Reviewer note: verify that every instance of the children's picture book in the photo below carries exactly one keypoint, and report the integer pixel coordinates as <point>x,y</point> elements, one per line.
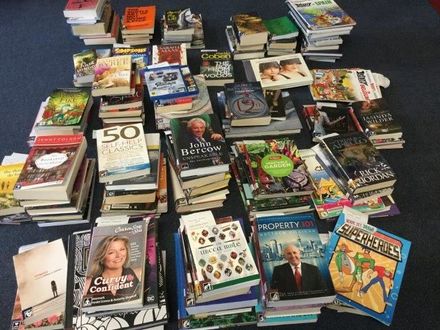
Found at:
<point>366,265</point>
<point>216,67</point>
<point>112,76</point>
<point>122,152</point>
<point>293,261</point>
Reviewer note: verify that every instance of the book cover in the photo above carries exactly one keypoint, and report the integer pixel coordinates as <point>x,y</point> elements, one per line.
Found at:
<point>139,17</point>
<point>122,152</point>
<point>116,267</point>
<point>276,168</point>
<point>198,143</point>
<point>247,24</point>
<point>246,104</point>
<point>293,260</point>
<point>319,14</point>
<point>359,163</point>
<point>82,4</point>
<point>366,265</point>
<point>177,20</point>
<point>281,27</point>
<point>139,55</point>
<point>41,280</point>
<point>8,178</point>
<point>112,76</point>
<point>216,65</point>
<point>84,63</point>
<point>174,54</point>
<point>65,107</point>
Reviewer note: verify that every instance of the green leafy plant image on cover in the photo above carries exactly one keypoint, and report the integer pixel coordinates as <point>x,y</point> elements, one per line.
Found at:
<point>65,108</point>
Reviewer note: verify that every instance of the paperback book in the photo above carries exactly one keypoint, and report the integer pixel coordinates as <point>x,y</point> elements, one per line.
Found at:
<point>174,54</point>
<point>112,76</point>
<point>216,67</point>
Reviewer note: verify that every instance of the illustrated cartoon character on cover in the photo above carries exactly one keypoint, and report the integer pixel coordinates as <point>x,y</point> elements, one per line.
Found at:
<point>362,261</point>
<point>327,20</point>
<point>344,263</point>
<point>379,272</point>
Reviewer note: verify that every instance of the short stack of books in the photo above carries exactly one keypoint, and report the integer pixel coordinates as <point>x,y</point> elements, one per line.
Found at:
<point>272,177</point>
<point>95,22</point>
<point>322,24</point>
<point>130,289</point>
<point>64,112</point>
<point>247,36</point>
<point>295,280</point>
<point>199,162</point>
<point>283,35</point>
<point>216,272</point>
<point>55,185</point>
<point>138,25</point>
<point>183,26</point>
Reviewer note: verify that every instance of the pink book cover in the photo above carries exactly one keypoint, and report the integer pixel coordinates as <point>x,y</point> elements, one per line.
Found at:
<point>81,4</point>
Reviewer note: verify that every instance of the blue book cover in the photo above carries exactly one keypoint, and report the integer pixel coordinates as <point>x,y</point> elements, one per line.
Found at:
<point>366,266</point>
<point>180,277</point>
<point>293,260</point>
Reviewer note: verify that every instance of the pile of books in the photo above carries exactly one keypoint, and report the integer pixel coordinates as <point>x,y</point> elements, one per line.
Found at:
<point>55,185</point>
<point>183,26</point>
<point>248,111</point>
<point>216,272</point>
<point>133,169</point>
<point>138,25</point>
<point>283,35</point>
<point>295,280</point>
<point>199,162</point>
<point>272,177</point>
<point>65,111</point>
<point>322,24</point>
<point>95,22</point>
<point>247,36</point>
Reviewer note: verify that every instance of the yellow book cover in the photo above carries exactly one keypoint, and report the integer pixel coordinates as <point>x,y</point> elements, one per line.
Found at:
<point>8,177</point>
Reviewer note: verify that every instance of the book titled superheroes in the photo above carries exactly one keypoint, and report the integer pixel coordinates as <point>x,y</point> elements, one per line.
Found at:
<point>366,265</point>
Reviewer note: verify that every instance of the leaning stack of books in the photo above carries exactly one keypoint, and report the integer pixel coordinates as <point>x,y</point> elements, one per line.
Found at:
<point>183,26</point>
<point>95,22</point>
<point>247,36</point>
<point>216,273</point>
<point>199,162</point>
<point>283,35</point>
<point>295,280</point>
<point>272,177</point>
<point>55,186</point>
<point>322,24</point>
<point>130,289</point>
<point>138,25</point>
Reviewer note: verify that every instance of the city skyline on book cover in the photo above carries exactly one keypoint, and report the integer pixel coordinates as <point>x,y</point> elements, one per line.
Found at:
<point>287,242</point>
<point>367,265</point>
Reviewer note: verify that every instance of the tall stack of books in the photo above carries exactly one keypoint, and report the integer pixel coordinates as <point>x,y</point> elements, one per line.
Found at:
<point>199,162</point>
<point>247,36</point>
<point>183,26</point>
<point>128,287</point>
<point>272,177</point>
<point>216,272</point>
<point>283,35</point>
<point>95,22</point>
<point>138,25</point>
<point>55,186</point>
<point>322,24</point>
<point>295,280</point>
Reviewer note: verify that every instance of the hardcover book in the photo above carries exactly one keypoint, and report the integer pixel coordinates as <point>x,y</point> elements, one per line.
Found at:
<point>293,262</point>
<point>115,268</point>
<point>358,162</point>
<point>41,280</point>
<point>174,54</point>
<point>122,152</point>
<point>112,76</point>
<point>199,146</point>
<point>216,67</point>
<point>246,104</point>
<point>366,265</point>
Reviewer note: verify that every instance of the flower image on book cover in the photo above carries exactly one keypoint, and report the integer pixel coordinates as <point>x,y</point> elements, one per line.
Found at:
<point>115,268</point>
<point>293,257</point>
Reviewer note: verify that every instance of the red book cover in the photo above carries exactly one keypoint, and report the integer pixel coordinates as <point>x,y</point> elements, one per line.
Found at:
<point>81,4</point>
<point>139,17</point>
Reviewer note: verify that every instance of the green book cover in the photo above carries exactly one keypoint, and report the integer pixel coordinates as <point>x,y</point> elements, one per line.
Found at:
<point>281,26</point>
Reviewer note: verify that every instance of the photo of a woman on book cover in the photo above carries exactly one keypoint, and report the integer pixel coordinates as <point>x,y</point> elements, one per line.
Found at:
<point>110,275</point>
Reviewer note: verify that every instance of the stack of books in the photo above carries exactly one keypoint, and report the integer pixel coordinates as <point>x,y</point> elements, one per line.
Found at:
<point>183,26</point>
<point>283,35</point>
<point>272,177</point>
<point>126,285</point>
<point>64,112</point>
<point>295,280</point>
<point>322,24</point>
<point>84,65</point>
<point>95,22</point>
<point>138,25</point>
<point>199,162</point>
<point>216,273</point>
<point>55,186</point>
<point>247,36</point>
<point>131,166</point>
